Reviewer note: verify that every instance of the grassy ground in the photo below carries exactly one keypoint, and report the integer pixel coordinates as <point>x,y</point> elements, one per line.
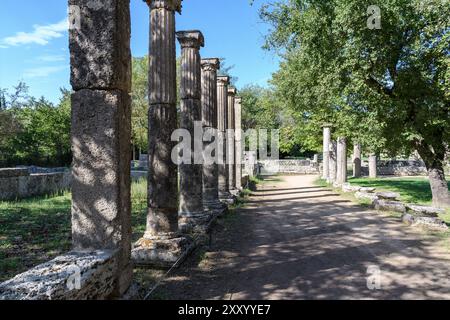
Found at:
<point>36,230</point>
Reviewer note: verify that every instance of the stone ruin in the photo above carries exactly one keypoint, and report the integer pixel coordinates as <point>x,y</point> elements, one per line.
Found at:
<point>100,266</point>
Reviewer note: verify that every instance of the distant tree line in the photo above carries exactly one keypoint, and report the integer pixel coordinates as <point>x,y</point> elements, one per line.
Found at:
<point>34,131</point>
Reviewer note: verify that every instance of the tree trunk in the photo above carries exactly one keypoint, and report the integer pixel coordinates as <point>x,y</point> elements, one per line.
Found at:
<point>434,163</point>
<point>439,187</point>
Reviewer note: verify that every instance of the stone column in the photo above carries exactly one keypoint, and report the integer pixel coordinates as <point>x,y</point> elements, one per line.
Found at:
<point>161,244</point>
<point>222,124</point>
<point>231,157</point>
<point>341,176</point>
<point>101,131</point>
<point>357,160</point>
<point>326,152</point>
<point>209,122</point>
<point>238,142</point>
<point>373,166</point>
<point>332,174</point>
<point>191,186</point>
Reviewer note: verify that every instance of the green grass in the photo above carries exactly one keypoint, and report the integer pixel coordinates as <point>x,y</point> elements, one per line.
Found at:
<point>411,190</point>
<point>36,230</point>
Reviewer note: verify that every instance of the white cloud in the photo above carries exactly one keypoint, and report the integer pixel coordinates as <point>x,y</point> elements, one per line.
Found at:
<point>52,58</point>
<point>42,72</point>
<point>41,35</point>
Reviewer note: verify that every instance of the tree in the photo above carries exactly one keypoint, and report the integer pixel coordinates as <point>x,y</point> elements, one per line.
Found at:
<point>139,104</point>
<point>396,77</point>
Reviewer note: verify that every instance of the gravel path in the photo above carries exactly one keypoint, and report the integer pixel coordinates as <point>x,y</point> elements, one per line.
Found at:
<point>293,240</point>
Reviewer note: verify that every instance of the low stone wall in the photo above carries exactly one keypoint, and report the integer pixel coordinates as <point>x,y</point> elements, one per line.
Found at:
<point>398,168</point>
<point>269,167</point>
<point>73,276</point>
<point>18,183</point>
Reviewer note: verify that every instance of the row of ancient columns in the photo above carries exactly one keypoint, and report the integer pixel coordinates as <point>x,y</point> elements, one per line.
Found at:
<point>335,159</point>
<point>181,198</point>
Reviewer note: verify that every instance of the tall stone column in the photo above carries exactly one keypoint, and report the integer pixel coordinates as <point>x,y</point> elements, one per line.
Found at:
<point>341,176</point>
<point>161,244</point>
<point>100,60</point>
<point>191,185</point>
<point>332,174</point>
<point>231,157</point>
<point>209,122</point>
<point>357,160</point>
<point>222,123</point>
<point>373,166</point>
<point>326,152</point>
<point>238,142</point>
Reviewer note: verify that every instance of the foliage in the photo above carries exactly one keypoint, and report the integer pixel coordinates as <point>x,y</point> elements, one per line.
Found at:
<point>38,132</point>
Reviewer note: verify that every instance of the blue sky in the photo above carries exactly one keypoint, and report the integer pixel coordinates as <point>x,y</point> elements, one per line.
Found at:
<point>34,40</point>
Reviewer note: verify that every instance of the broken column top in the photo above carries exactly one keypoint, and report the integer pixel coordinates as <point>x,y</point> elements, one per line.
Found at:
<point>232,91</point>
<point>223,80</point>
<point>191,39</point>
<point>211,64</point>
<point>172,5</point>
<point>327,125</point>
<point>238,100</point>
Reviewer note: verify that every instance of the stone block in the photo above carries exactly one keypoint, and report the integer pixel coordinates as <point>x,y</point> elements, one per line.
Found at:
<point>73,276</point>
<point>99,41</point>
<point>385,205</point>
<point>427,222</point>
<point>367,189</point>
<point>424,210</point>
<point>388,195</point>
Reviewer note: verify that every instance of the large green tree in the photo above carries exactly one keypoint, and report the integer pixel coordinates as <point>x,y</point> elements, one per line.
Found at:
<point>392,80</point>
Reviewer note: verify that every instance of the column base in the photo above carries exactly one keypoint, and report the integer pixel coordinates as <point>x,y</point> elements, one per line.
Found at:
<point>161,252</point>
<point>194,222</point>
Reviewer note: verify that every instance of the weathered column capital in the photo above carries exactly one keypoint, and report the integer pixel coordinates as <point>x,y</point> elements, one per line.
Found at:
<point>172,5</point>
<point>327,125</point>
<point>210,64</point>
<point>223,81</point>
<point>191,39</point>
<point>232,91</point>
<point>238,100</point>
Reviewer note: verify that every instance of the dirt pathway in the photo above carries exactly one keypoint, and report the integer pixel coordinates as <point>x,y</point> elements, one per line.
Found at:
<point>293,240</point>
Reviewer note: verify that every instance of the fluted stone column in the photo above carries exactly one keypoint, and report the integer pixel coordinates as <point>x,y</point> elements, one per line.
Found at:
<point>341,176</point>
<point>332,153</point>
<point>101,130</point>
<point>222,123</point>
<point>238,142</point>
<point>326,152</point>
<point>209,122</point>
<point>191,210</point>
<point>373,166</point>
<point>231,157</point>
<point>162,243</point>
<point>357,160</point>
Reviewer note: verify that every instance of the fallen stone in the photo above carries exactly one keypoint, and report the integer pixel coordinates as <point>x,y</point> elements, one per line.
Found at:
<point>388,195</point>
<point>428,222</point>
<point>364,195</point>
<point>424,210</point>
<point>385,205</point>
